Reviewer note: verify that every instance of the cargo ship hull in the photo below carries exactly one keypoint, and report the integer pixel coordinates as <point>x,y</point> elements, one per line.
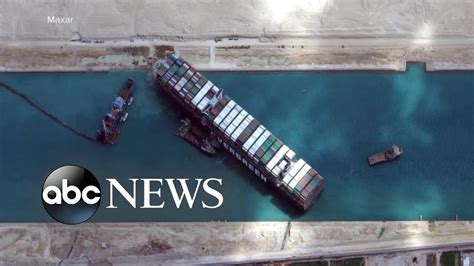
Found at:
<point>109,132</point>
<point>239,132</point>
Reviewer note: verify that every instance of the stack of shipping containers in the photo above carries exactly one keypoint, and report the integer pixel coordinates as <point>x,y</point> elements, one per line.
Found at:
<point>241,134</point>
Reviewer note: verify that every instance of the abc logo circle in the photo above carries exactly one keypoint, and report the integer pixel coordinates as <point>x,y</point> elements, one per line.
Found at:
<point>71,194</point>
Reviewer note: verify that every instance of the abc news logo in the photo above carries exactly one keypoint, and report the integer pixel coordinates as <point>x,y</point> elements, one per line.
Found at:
<point>72,195</point>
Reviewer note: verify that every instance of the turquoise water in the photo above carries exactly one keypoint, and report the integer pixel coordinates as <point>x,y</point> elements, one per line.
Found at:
<point>331,119</point>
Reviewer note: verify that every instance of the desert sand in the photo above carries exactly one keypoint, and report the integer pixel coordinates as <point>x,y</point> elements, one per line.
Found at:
<point>381,243</point>
<point>238,35</point>
<point>207,19</point>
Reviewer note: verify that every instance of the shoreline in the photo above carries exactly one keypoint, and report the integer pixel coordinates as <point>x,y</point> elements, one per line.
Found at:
<point>232,242</point>
<point>319,69</point>
<point>238,55</point>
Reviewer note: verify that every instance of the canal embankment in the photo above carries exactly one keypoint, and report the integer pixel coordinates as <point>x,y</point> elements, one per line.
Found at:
<point>238,55</point>
<point>255,35</point>
<point>152,243</point>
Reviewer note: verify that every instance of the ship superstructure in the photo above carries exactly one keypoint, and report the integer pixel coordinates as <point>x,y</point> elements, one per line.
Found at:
<point>109,132</point>
<point>239,132</point>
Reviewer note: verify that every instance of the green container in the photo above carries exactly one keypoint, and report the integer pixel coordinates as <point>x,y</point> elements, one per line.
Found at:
<point>188,86</point>
<point>181,71</point>
<point>173,69</point>
<point>267,156</point>
<point>202,81</point>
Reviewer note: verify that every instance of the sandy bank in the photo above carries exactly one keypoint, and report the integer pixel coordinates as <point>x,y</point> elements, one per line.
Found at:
<point>224,242</point>
<point>238,55</point>
<point>238,34</point>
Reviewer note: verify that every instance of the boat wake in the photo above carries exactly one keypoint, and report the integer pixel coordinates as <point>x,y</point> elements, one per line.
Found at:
<point>46,113</point>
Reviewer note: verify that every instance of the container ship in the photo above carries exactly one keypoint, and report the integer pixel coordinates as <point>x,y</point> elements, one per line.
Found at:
<point>239,132</point>
<point>109,132</point>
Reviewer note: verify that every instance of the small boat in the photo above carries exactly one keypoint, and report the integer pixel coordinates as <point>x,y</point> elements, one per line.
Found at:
<point>109,132</point>
<point>238,132</point>
<point>196,136</point>
<point>388,155</point>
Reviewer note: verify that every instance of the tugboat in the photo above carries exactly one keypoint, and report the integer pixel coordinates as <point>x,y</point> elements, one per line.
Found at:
<point>238,132</point>
<point>197,137</point>
<point>109,132</point>
<point>388,155</point>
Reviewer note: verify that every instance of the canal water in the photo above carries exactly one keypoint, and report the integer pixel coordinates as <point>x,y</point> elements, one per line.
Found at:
<point>333,120</point>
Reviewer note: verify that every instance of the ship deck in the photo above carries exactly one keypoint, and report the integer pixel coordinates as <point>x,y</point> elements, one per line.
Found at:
<point>240,133</point>
<point>377,158</point>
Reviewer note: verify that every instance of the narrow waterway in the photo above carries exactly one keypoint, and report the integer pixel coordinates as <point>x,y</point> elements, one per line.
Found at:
<point>333,120</point>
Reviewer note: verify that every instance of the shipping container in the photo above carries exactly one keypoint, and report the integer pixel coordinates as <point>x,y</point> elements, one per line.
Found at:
<point>302,184</point>
<point>310,187</point>
<point>179,61</point>
<point>189,74</point>
<point>259,142</point>
<point>173,70</point>
<point>203,104</point>
<point>181,71</point>
<point>224,113</point>
<point>202,81</point>
<point>277,158</point>
<point>228,120</point>
<point>299,176</point>
<point>253,137</point>
<point>201,93</point>
<point>264,147</point>
<point>294,169</point>
<point>240,133</point>
<point>271,152</point>
<point>245,123</point>
<point>245,135</point>
<point>235,123</point>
